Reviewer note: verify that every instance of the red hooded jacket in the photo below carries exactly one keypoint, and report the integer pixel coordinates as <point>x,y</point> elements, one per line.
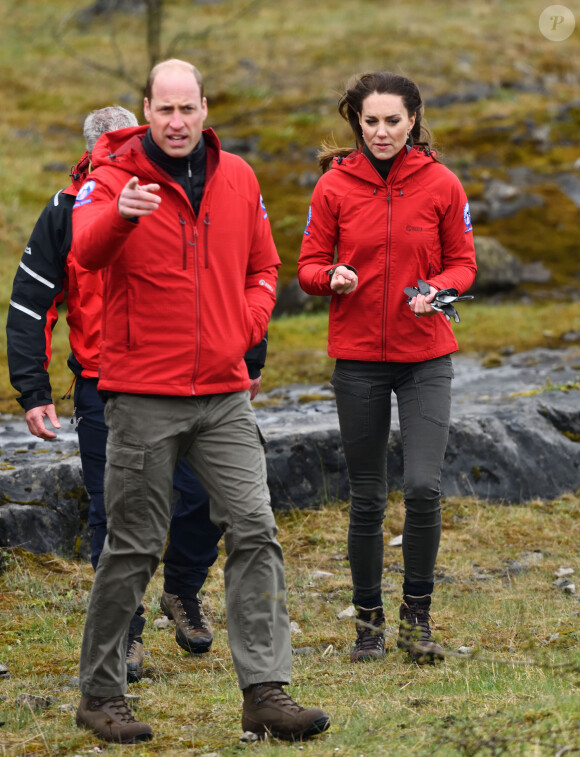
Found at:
<point>184,297</point>
<point>415,225</point>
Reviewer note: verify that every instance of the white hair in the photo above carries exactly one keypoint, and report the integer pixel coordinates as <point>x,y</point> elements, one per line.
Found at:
<point>106,119</point>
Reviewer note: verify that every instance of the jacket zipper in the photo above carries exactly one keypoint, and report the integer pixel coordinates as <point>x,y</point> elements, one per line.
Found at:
<point>183,241</point>
<point>197,311</point>
<point>392,178</point>
<point>387,269</point>
<point>206,239</point>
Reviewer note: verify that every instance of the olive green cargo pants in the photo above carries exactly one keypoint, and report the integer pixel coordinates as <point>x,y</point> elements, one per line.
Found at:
<point>219,437</point>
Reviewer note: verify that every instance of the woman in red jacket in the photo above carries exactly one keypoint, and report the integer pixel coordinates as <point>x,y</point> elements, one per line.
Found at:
<point>386,215</point>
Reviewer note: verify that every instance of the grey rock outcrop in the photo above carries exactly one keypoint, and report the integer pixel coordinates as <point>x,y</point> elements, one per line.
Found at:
<point>514,436</point>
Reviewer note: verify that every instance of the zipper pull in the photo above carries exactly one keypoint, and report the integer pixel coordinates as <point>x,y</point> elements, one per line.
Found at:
<point>189,168</point>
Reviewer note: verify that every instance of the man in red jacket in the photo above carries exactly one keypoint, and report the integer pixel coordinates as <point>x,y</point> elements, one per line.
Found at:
<point>45,273</point>
<point>190,270</point>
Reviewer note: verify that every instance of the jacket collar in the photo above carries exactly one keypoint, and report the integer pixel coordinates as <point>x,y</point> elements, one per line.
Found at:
<point>408,161</point>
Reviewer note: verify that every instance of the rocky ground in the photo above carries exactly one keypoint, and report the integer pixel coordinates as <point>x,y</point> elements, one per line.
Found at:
<point>514,437</point>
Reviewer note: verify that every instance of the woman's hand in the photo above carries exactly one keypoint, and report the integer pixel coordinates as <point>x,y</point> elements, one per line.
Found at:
<point>344,281</point>
<point>421,303</point>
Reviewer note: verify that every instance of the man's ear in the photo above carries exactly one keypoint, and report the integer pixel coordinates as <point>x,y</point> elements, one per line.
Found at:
<point>146,109</point>
<point>204,107</point>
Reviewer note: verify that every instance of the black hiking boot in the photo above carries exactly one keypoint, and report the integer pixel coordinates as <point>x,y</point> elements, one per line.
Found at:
<point>269,711</point>
<point>370,635</point>
<point>414,631</point>
<point>193,631</point>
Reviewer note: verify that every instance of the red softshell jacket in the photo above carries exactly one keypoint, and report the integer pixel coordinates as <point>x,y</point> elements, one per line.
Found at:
<point>415,225</point>
<point>184,297</point>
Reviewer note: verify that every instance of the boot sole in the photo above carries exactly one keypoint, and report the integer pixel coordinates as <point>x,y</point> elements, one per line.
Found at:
<point>314,729</point>
<point>420,657</point>
<point>133,740</point>
<point>195,647</point>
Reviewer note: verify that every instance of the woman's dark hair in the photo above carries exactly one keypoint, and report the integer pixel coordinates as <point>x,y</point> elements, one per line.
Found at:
<point>350,108</point>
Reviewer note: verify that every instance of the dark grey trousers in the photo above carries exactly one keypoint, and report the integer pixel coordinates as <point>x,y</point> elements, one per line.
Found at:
<point>363,396</point>
<point>218,436</point>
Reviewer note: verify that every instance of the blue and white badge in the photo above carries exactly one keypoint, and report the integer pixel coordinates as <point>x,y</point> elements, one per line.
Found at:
<point>308,220</point>
<point>467,218</point>
<point>84,192</point>
<point>263,206</point>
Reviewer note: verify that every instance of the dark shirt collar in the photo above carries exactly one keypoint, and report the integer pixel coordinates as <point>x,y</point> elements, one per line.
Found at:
<point>382,166</point>
<point>175,166</point>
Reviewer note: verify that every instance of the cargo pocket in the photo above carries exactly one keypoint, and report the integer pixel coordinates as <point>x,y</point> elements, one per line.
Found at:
<point>433,383</point>
<point>125,486</point>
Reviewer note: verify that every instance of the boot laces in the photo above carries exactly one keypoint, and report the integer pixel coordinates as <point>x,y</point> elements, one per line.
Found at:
<point>131,644</point>
<point>416,619</point>
<point>274,693</point>
<point>192,612</point>
<point>120,707</point>
<point>368,638</point>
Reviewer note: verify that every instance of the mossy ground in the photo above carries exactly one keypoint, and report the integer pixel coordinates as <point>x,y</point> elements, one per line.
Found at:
<point>515,692</point>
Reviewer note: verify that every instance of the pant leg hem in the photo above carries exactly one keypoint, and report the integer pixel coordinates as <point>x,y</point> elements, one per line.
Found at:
<point>275,675</point>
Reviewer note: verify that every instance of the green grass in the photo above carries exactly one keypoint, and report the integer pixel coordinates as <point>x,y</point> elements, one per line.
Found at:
<point>516,693</point>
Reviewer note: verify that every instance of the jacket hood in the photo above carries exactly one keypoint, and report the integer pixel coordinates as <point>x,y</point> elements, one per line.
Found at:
<point>80,172</point>
<point>125,145</point>
<point>408,161</point>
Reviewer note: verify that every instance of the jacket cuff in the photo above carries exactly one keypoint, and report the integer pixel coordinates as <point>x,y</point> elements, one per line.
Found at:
<point>30,400</point>
<point>344,265</point>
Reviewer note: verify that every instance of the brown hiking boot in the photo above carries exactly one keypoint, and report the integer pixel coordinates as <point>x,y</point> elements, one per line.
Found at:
<point>193,631</point>
<point>112,720</point>
<point>370,635</point>
<point>415,633</point>
<point>269,711</point>
<point>134,659</point>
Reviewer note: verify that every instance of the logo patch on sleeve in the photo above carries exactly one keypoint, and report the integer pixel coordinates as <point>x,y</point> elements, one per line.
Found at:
<point>467,218</point>
<point>308,220</point>
<point>83,196</point>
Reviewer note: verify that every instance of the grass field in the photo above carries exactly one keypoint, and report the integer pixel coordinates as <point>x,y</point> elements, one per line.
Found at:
<point>514,689</point>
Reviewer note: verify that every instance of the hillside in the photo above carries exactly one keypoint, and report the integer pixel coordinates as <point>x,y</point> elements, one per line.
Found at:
<point>501,98</point>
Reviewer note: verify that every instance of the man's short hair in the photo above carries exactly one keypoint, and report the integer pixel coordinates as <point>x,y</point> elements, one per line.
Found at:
<point>100,121</point>
<point>167,63</point>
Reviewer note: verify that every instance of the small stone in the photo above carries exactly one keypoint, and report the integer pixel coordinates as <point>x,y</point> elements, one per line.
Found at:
<point>564,584</point>
<point>319,574</point>
<point>350,612</point>
<point>465,650</point>
<point>532,558</point>
<point>303,651</point>
<point>161,623</point>
<point>67,708</point>
<point>35,702</point>
<point>561,572</point>
<point>396,541</point>
<point>248,737</point>
<point>295,628</point>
